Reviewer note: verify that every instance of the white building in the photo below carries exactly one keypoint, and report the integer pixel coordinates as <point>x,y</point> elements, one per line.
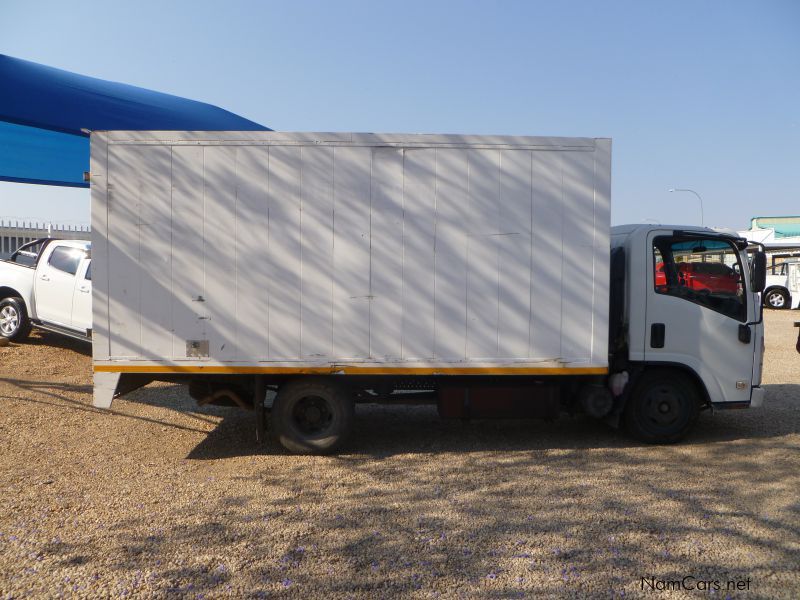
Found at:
<point>780,236</point>
<point>15,233</point>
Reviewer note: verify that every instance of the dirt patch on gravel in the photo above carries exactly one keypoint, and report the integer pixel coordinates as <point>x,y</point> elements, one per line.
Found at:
<point>158,498</point>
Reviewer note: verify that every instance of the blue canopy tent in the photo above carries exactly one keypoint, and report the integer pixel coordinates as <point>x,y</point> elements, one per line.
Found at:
<point>46,115</point>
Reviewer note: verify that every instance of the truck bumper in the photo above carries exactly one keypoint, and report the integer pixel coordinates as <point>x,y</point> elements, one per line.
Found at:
<point>756,396</point>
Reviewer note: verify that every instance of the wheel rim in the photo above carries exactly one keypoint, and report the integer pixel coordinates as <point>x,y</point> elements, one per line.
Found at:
<point>664,406</point>
<point>775,300</point>
<point>312,415</point>
<point>9,320</point>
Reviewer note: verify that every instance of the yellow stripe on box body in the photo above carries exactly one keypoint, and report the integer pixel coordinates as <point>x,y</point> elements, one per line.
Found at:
<point>348,370</point>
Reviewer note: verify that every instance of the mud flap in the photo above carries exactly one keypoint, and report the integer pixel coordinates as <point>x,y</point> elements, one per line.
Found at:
<point>105,388</point>
<point>108,386</point>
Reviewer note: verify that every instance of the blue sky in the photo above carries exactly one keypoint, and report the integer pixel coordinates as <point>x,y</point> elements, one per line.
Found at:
<point>700,95</point>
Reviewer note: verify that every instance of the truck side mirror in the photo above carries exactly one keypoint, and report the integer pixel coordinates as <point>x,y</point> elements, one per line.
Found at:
<point>759,271</point>
<point>797,324</point>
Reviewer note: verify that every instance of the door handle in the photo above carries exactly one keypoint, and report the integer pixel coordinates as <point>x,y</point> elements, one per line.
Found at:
<point>85,290</point>
<point>44,278</point>
<point>657,335</point>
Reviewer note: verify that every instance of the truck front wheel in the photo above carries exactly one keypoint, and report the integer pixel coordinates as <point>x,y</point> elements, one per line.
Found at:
<point>663,407</point>
<point>14,322</point>
<point>313,416</point>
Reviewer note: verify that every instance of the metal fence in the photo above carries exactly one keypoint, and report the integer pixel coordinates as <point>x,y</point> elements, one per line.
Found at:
<point>15,233</point>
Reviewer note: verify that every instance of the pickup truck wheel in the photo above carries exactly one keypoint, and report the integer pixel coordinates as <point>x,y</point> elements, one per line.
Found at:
<point>312,417</point>
<point>776,299</point>
<point>14,322</point>
<point>663,407</point>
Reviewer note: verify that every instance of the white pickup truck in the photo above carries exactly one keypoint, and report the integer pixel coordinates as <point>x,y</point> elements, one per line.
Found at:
<point>783,285</point>
<point>47,283</point>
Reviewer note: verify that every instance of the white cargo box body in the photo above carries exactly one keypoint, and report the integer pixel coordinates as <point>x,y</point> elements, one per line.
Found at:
<point>271,252</point>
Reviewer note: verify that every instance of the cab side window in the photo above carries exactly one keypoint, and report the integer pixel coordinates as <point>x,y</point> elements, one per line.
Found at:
<point>66,259</point>
<point>707,272</point>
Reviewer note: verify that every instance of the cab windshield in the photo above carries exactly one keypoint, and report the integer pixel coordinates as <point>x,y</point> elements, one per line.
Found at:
<point>704,271</point>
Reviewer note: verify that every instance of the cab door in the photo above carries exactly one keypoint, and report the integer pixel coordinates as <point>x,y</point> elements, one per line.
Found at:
<point>703,327</point>
<point>55,284</point>
<point>82,299</point>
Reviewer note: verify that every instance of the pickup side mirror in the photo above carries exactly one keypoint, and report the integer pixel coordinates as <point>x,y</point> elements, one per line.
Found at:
<point>759,274</point>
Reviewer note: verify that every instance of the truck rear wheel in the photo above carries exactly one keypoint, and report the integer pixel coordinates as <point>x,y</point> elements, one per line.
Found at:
<point>663,407</point>
<point>14,322</point>
<point>313,416</point>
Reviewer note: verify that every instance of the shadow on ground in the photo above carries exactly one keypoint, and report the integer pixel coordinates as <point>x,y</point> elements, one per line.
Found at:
<point>493,509</point>
<point>489,509</point>
<point>40,337</point>
<point>382,431</point>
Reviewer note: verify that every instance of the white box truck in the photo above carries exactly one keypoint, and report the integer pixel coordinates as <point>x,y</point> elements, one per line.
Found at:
<point>477,272</point>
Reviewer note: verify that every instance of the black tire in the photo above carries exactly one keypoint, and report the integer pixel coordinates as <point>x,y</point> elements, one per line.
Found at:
<point>312,416</point>
<point>776,298</point>
<point>14,322</point>
<point>663,407</point>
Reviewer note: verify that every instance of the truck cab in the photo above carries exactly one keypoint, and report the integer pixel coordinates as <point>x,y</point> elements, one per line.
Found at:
<point>47,283</point>
<point>689,310</point>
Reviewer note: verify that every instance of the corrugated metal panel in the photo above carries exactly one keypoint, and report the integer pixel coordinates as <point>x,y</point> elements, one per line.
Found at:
<point>350,264</point>
<point>254,283</point>
<point>419,231</point>
<point>187,248</point>
<point>124,275</point>
<point>218,309</point>
<point>514,254</point>
<point>386,269</point>
<point>155,257</point>
<point>329,253</point>
<point>547,258</point>
<point>316,245</point>
<point>281,265</point>
<point>452,234</point>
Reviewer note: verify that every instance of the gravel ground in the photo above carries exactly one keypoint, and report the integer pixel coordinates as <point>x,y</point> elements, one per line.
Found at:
<point>160,499</point>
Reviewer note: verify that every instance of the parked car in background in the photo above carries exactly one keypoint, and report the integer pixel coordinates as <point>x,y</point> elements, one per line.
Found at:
<point>698,276</point>
<point>47,283</point>
<point>781,278</point>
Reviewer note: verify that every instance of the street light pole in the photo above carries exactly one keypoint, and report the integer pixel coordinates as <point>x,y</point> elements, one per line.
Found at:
<point>698,197</point>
